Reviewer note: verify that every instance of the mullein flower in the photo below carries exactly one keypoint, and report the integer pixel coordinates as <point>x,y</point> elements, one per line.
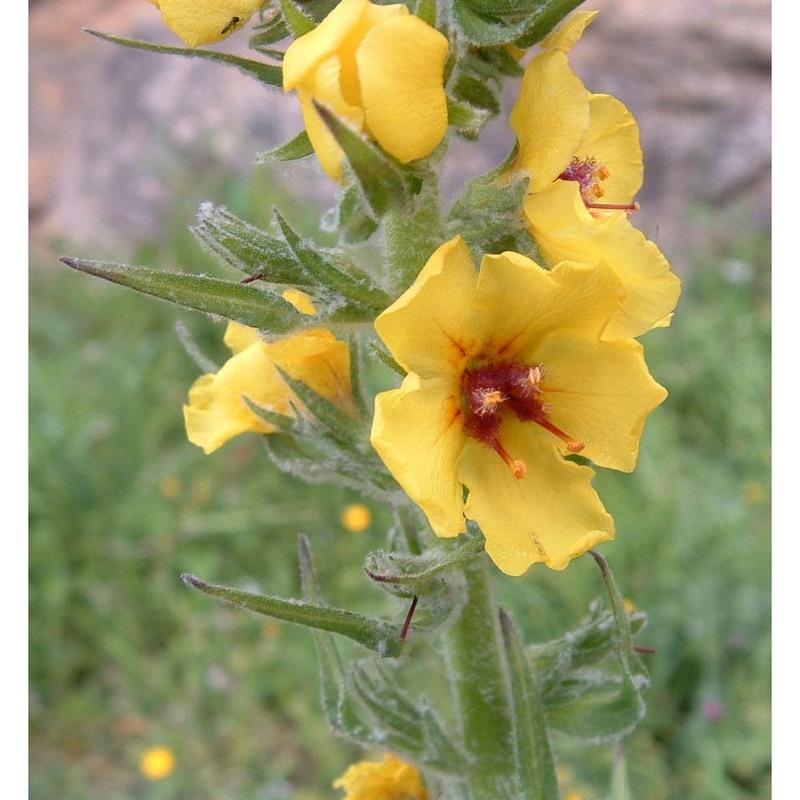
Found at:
<point>199,22</point>
<point>584,159</point>
<point>217,410</point>
<point>391,779</point>
<point>508,373</point>
<point>157,763</point>
<point>378,68</point>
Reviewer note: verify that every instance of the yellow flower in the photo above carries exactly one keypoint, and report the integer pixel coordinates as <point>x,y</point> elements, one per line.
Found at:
<point>507,374</point>
<point>217,410</point>
<point>199,22</point>
<point>157,763</point>
<point>580,148</point>
<point>356,518</point>
<point>378,68</point>
<point>391,779</point>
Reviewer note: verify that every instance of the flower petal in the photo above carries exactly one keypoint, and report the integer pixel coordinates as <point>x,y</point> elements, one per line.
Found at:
<point>206,22</point>
<point>238,337</point>
<point>318,359</point>
<point>217,411</point>
<point>417,432</point>
<point>612,138</point>
<point>325,89</point>
<point>550,118</point>
<point>565,230</point>
<point>304,54</point>
<point>601,394</point>
<point>550,516</point>
<point>401,69</point>
<point>424,328</point>
<point>517,304</point>
<point>569,32</point>
<point>512,293</point>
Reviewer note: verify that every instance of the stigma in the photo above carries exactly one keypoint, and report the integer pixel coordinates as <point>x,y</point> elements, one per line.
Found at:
<point>589,174</point>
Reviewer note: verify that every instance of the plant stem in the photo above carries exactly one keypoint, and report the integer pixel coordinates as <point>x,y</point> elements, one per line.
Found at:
<point>411,238</point>
<point>479,676</point>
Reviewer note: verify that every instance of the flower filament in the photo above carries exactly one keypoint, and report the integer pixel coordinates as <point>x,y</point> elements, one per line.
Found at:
<point>589,174</point>
<point>488,389</point>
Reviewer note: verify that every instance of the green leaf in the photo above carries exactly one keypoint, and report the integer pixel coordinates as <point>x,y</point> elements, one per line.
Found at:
<point>266,73</point>
<point>339,708</point>
<point>501,8</point>
<point>468,120</point>
<point>489,214</point>
<point>546,18</point>
<point>593,677</point>
<point>485,30</point>
<point>412,729</point>
<point>368,631</point>
<point>415,573</point>
<point>247,248</point>
<point>536,772</point>
<point>383,181</point>
<point>333,270</point>
<point>341,426</point>
<point>235,301</point>
<point>477,93</point>
<point>297,20</point>
<point>271,30</point>
<point>501,61</point>
<point>354,219</point>
<point>296,148</point>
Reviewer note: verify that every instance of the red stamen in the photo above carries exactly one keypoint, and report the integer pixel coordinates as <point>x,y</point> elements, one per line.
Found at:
<point>517,466</point>
<point>257,277</point>
<point>572,445</point>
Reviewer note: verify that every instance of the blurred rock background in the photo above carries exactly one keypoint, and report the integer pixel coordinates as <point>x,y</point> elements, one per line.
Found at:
<point>114,132</point>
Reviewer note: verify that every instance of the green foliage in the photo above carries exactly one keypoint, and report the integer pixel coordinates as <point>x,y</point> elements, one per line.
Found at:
<point>267,74</point>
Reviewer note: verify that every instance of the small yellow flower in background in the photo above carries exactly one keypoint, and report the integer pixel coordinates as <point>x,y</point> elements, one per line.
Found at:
<point>157,763</point>
<point>356,518</point>
<point>391,779</point>
<point>378,68</point>
<point>583,156</point>
<point>754,492</point>
<point>199,22</point>
<point>507,374</point>
<point>217,410</point>
<point>171,487</point>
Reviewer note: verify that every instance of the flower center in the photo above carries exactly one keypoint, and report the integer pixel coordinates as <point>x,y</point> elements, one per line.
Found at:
<point>589,173</point>
<point>489,391</point>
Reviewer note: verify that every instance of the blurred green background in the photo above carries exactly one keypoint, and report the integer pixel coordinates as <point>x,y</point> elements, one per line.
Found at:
<point>124,658</point>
